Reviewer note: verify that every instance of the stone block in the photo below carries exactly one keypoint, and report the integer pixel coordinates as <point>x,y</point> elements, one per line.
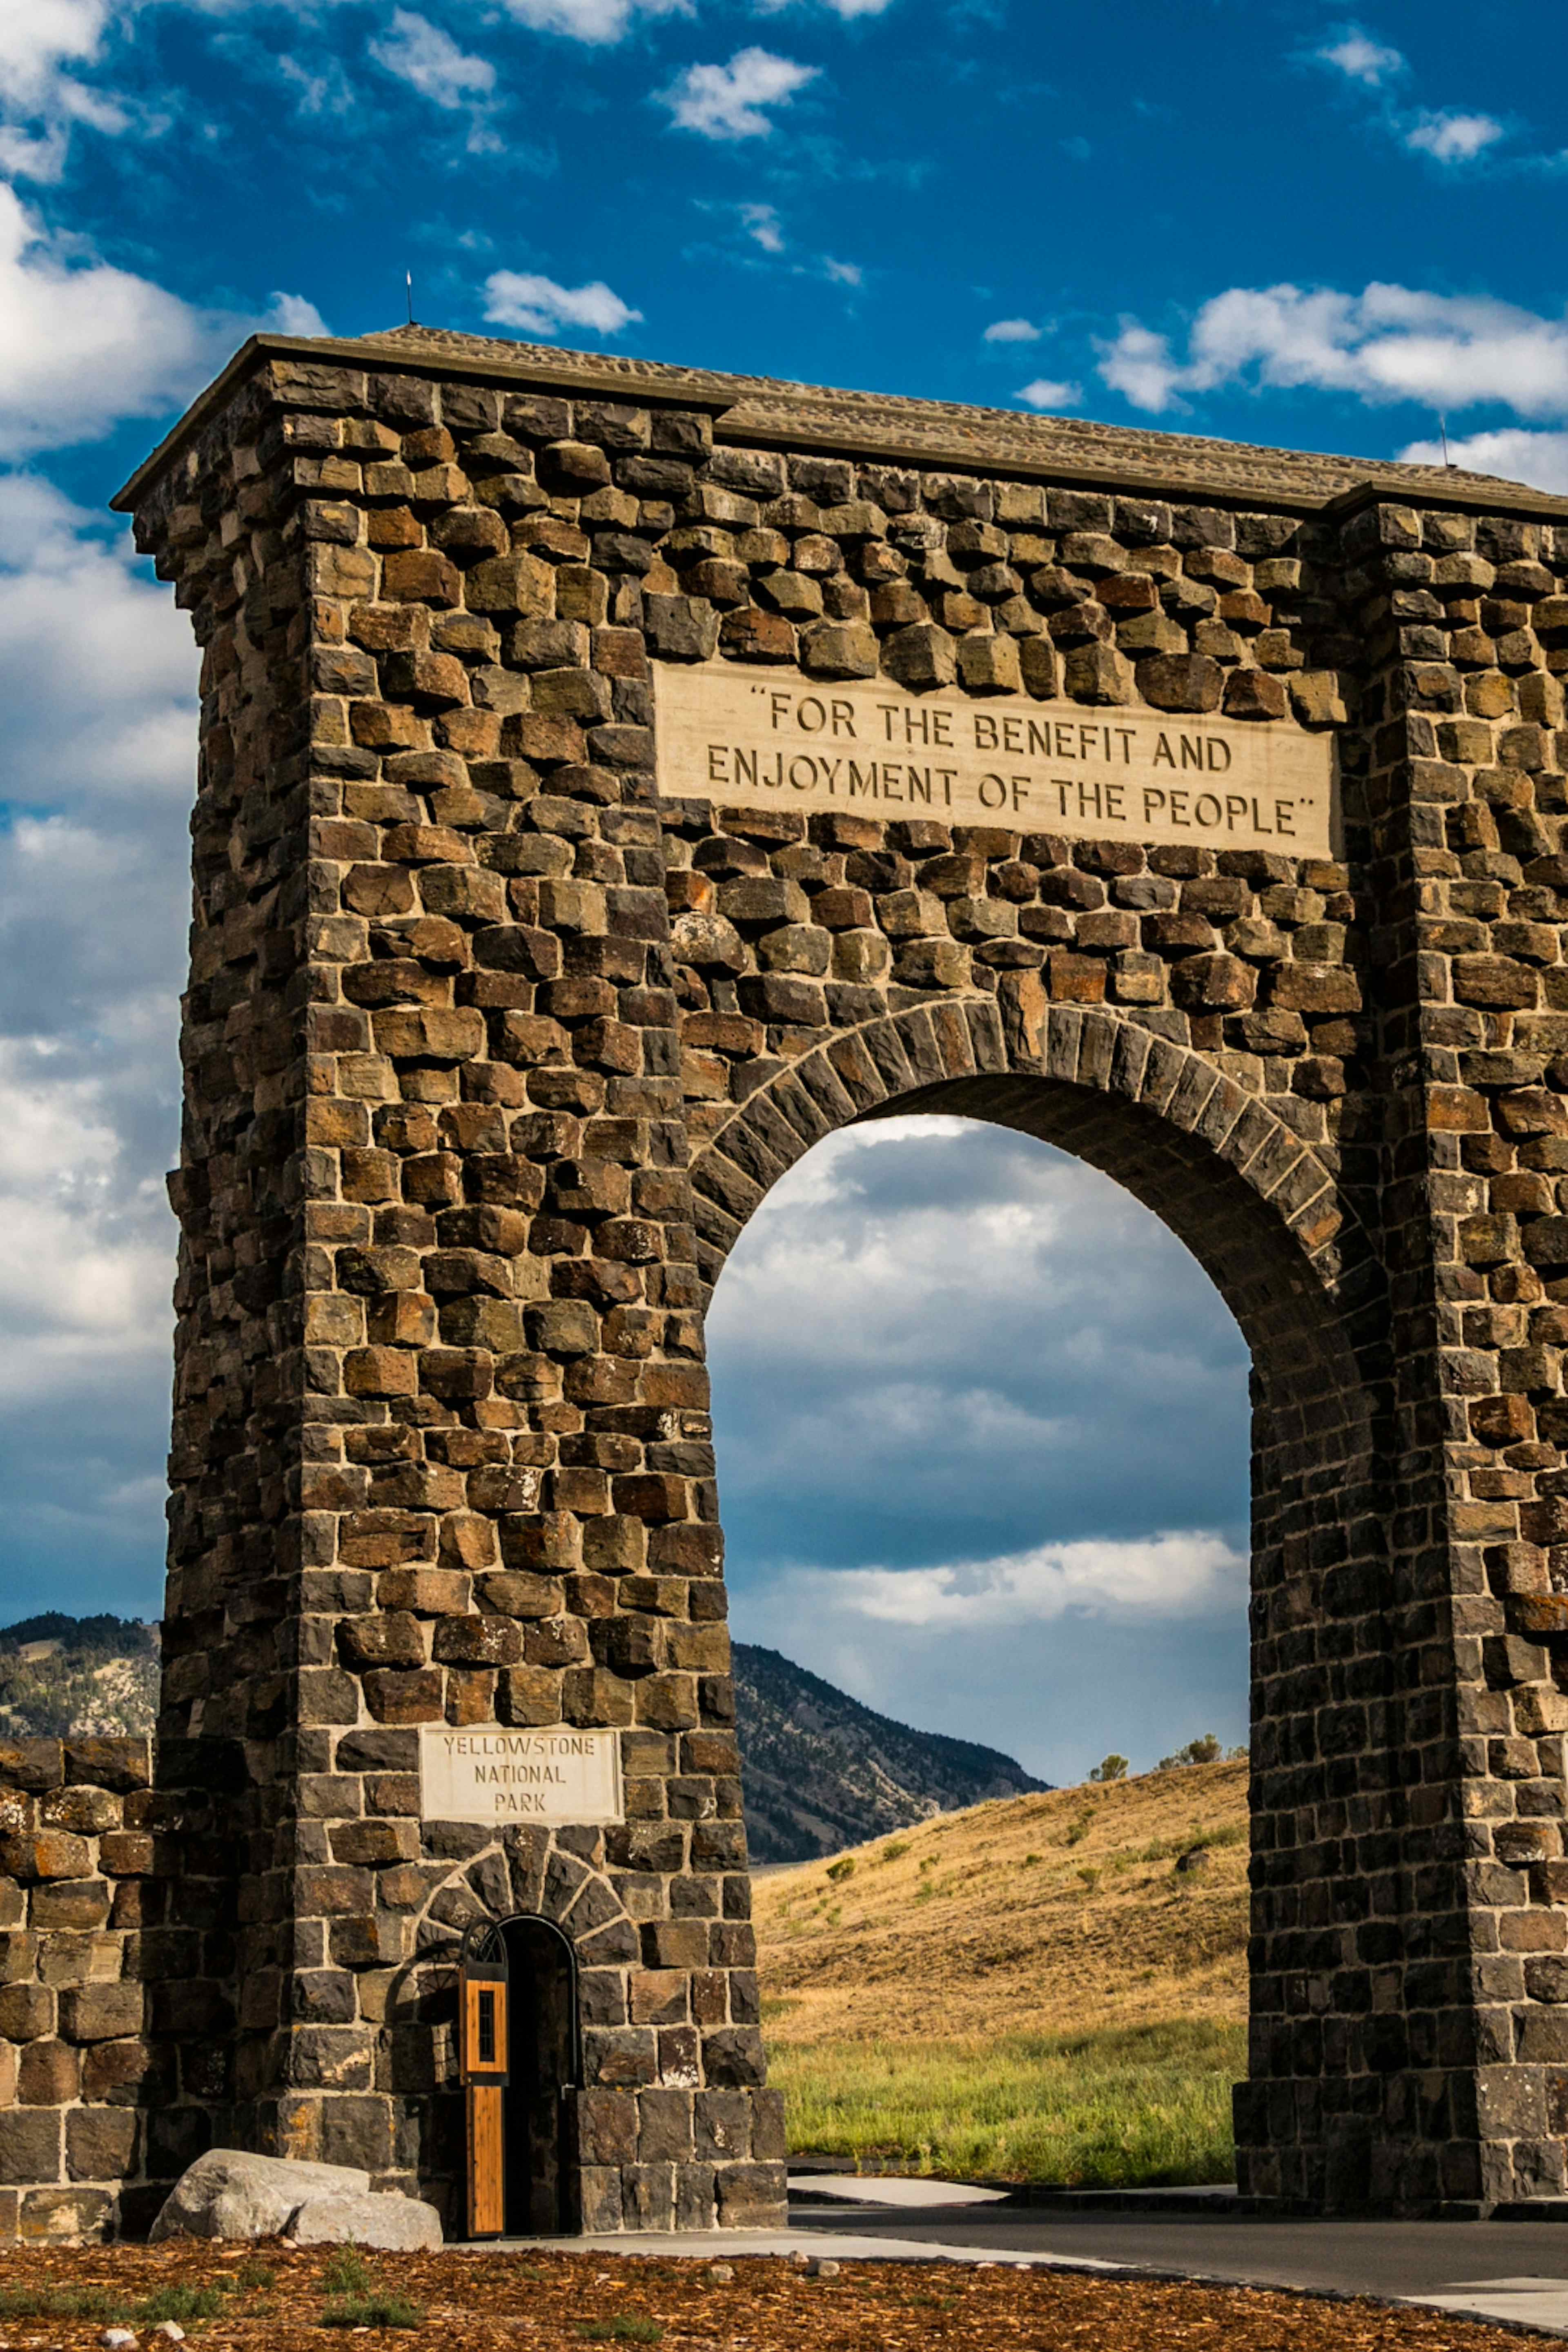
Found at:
<point>647,2196</point>
<point>26,2011</point>
<point>31,2145</point>
<point>65,2217</point>
<point>723,2126</point>
<point>101,2012</point>
<point>606,2125</point>
<point>599,2190</point>
<point>101,2143</point>
<point>33,1764</point>
<point>1178,682</point>
<point>770,2143</point>
<point>79,1903</point>
<point>49,2075</point>
<point>751,2196</point>
<point>733,2055</point>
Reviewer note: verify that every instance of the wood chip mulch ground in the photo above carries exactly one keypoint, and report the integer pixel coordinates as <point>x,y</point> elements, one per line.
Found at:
<point>272,2298</point>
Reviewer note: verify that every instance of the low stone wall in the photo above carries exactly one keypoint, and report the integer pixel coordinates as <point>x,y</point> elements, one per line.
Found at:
<point>106,1990</point>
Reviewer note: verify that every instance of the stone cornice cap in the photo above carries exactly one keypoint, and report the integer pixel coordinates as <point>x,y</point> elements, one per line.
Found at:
<point>935,434</point>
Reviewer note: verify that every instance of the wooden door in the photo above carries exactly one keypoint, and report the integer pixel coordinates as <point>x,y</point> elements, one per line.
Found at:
<point>487,2161</point>
<point>483,2032</point>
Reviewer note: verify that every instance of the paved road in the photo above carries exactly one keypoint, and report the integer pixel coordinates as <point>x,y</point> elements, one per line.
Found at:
<point>1515,2271</point>
<point>1506,2269</point>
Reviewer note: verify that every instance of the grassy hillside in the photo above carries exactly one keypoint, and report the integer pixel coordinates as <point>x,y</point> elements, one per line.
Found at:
<point>1048,1987</point>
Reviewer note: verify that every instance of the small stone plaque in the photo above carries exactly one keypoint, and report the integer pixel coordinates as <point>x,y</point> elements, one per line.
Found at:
<point>775,739</point>
<point>487,1773</point>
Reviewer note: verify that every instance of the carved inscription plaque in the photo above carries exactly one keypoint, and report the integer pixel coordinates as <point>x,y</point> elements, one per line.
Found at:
<point>775,739</point>
<point>490,1774</point>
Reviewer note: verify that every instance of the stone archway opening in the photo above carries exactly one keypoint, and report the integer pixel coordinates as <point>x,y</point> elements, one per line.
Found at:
<point>981,1425</point>
<point>544,2068</point>
<point>954,1365</point>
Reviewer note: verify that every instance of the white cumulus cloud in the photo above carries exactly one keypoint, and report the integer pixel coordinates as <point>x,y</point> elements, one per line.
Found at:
<point>1513,451</point>
<point>430,61</point>
<point>98,671</point>
<point>83,344</point>
<point>40,97</point>
<point>1045,392</point>
<point>1387,343</point>
<point>1166,1575</point>
<point>1013,331</point>
<point>539,307</point>
<point>764,227</point>
<point>846,9</point>
<point>1454,138</point>
<point>590,20</point>
<point>98,674</point>
<point>1361,59</point>
<point>727,101</point>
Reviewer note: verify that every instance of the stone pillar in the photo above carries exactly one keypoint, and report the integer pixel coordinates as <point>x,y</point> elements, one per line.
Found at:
<point>1467,627</point>
<point>442,1452</point>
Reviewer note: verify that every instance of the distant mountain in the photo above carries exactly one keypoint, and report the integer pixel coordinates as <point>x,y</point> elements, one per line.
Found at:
<point>90,1675</point>
<point>821,1771</point>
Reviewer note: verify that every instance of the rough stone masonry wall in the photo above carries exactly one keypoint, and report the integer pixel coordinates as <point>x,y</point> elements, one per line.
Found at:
<point>113,1925</point>
<point>491,1057</point>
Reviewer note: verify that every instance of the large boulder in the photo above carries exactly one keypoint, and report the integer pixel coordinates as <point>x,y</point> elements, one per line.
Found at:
<point>228,2193</point>
<point>401,2224</point>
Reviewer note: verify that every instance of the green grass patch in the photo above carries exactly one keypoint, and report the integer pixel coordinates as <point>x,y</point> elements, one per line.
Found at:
<point>1124,2107</point>
<point>347,2273</point>
<point>358,2301</point>
<point>183,2303</point>
<point>61,2302</point>
<point>621,2331</point>
<point>109,2308</point>
<point>373,2310</point>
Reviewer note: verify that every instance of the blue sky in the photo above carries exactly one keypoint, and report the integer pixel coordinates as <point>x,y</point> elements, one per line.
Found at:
<point>1254,218</point>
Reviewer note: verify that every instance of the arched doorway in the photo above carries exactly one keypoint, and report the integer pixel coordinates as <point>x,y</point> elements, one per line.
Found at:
<point>521,2060</point>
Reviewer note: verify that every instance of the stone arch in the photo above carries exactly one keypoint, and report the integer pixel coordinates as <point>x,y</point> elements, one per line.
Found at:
<point>1262,1211</point>
<point>555,1875</point>
<point>1265,1214</point>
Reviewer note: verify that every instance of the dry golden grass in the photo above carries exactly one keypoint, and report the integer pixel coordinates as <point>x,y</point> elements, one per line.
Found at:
<point>1057,1914</point>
